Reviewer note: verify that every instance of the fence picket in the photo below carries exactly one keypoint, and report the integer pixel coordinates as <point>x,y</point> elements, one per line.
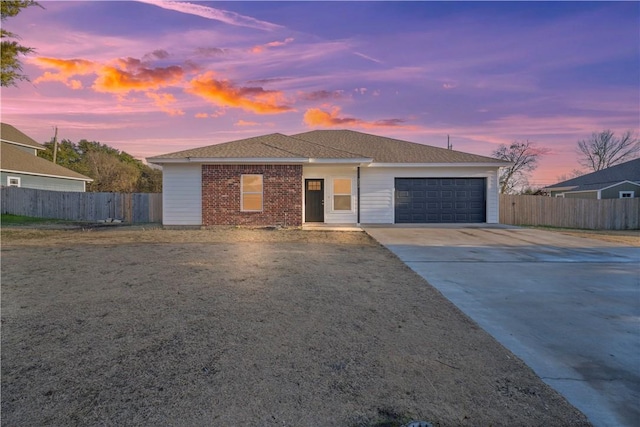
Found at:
<point>78,206</point>
<point>606,214</point>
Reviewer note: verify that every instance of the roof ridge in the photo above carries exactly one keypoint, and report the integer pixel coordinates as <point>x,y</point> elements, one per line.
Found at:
<point>325,146</point>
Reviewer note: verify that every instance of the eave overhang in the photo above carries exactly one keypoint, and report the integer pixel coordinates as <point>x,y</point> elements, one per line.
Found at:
<point>440,165</point>
<point>47,175</point>
<point>33,147</point>
<point>262,160</point>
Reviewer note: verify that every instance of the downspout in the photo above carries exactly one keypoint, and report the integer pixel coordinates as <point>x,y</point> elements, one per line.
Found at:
<point>358,193</point>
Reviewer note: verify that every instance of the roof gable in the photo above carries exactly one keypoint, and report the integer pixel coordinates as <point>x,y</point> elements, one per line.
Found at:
<point>13,159</point>
<point>628,171</point>
<point>12,135</point>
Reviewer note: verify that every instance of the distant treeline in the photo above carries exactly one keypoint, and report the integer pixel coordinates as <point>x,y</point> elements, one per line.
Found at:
<point>110,169</point>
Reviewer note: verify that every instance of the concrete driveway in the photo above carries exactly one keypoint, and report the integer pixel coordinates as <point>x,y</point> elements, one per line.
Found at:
<point>568,306</point>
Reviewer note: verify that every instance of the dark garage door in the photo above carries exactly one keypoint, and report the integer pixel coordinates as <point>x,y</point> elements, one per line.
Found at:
<point>437,200</point>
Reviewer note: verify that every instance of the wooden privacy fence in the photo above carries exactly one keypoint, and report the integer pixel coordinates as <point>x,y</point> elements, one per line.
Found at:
<point>605,214</point>
<point>77,206</point>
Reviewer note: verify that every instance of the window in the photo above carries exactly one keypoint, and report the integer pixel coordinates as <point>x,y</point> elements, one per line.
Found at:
<point>13,181</point>
<point>342,194</point>
<point>627,194</point>
<point>251,193</point>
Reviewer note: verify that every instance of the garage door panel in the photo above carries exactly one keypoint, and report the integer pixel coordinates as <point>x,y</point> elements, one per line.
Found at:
<point>440,200</point>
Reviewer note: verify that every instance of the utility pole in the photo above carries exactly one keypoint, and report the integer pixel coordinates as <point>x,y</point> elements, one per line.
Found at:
<point>55,144</point>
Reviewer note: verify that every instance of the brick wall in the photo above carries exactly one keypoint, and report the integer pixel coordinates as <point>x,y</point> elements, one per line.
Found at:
<point>282,195</point>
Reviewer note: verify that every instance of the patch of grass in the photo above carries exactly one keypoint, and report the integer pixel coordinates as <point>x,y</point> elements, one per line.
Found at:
<point>10,219</point>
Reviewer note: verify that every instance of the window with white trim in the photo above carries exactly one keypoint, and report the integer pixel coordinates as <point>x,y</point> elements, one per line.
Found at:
<point>627,194</point>
<point>560,195</point>
<point>13,181</point>
<point>342,194</point>
<point>251,193</point>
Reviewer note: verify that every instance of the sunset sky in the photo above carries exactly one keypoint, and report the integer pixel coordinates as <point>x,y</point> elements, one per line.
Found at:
<point>151,77</point>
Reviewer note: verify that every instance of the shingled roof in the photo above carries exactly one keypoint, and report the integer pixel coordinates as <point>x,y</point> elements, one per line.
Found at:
<point>628,171</point>
<point>12,135</point>
<point>14,159</point>
<point>330,145</point>
<point>272,146</point>
<point>389,150</point>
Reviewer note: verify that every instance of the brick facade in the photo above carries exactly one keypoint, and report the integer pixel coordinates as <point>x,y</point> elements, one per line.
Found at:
<point>282,195</point>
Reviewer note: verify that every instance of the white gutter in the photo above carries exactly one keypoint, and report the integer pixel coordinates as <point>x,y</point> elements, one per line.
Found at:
<point>438,165</point>
<point>47,175</point>
<point>361,161</point>
<point>255,160</point>
<point>23,145</point>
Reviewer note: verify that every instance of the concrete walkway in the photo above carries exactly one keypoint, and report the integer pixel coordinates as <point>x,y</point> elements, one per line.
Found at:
<point>568,306</point>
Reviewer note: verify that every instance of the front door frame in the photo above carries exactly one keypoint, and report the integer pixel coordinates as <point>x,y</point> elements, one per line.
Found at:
<point>313,202</point>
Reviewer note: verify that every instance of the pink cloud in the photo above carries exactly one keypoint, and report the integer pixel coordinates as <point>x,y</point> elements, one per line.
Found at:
<point>224,93</point>
<point>261,48</point>
<point>317,117</point>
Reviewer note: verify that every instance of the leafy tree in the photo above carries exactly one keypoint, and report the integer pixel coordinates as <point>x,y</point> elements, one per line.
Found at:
<point>604,149</point>
<point>11,70</point>
<point>67,156</point>
<point>110,169</point>
<point>524,156</point>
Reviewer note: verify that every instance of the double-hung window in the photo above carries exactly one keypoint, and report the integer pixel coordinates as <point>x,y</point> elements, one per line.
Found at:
<point>342,194</point>
<point>251,193</point>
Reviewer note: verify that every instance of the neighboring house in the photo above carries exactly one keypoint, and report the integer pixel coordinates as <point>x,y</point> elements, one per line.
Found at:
<point>20,165</point>
<point>615,182</point>
<point>327,176</point>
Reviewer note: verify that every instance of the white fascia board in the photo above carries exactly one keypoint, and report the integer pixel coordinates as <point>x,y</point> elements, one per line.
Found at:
<point>23,145</point>
<point>240,160</point>
<point>48,175</point>
<point>626,181</point>
<point>438,165</point>
<point>363,161</point>
<point>559,188</point>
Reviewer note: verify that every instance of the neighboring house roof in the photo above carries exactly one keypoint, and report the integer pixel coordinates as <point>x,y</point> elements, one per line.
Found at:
<point>13,159</point>
<point>13,136</point>
<point>327,145</point>
<point>628,171</point>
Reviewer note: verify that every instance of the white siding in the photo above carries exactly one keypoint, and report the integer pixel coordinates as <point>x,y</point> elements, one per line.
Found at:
<point>181,194</point>
<point>328,173</point>
<point>377,189</point>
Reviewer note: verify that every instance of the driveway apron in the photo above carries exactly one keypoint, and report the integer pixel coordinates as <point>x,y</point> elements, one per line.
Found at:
<point>568,306</point>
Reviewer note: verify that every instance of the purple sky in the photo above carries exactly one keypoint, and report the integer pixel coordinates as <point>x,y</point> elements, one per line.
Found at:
<point>152,77</point>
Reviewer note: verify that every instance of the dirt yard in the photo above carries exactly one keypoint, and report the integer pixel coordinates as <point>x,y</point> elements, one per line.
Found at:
<point>231,327</point>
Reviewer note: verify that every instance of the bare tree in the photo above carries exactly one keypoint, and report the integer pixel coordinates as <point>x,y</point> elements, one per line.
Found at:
<point>603,149</point>
<point>524,158</point>
<point>111,174</point>
<point>567,176</point>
